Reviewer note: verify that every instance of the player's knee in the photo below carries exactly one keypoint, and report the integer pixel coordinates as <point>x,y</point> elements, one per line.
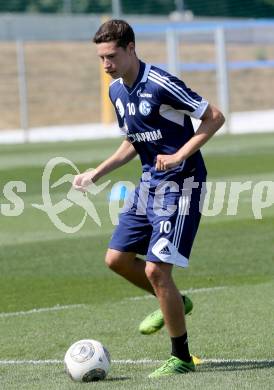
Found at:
<point>156,275</point>
<point>112,260</point>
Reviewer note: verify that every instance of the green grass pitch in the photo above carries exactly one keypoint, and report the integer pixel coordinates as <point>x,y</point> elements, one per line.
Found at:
<point>230,279</point>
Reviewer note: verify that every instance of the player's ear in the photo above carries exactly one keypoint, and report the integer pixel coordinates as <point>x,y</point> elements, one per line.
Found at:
<point>131,48</point>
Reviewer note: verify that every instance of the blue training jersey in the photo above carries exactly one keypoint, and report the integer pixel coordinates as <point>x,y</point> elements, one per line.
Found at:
<point>155,116</point>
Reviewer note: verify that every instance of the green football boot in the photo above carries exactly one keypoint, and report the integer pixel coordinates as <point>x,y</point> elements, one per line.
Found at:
<point>173,366</point>
<point>155,321</point>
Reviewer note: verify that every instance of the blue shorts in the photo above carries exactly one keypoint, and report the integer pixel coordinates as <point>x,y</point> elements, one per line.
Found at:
<point>160,224</point>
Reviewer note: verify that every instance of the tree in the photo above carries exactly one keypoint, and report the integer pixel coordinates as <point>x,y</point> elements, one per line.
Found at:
<point>268,2</point>
<point>14,5</point>
<point>50,6</point>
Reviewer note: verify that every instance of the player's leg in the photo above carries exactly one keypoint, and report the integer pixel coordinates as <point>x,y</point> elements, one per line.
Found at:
<point>131,236</point>
<point>155,321</point>
<point>130,267</point>
<point>160,276</point>
<point>171,243</point>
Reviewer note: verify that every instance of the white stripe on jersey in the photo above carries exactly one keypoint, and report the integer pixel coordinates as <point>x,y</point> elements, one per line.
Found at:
<point>170,90</point>
<point>171,114</point>
<point>146,72</point>
<point>175,88</point>
<point>115,81</point>
<point>180,220</point>
<point>185,212</point>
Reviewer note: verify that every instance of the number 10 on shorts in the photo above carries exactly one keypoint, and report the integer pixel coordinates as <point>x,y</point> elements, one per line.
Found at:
<point>165,226</point>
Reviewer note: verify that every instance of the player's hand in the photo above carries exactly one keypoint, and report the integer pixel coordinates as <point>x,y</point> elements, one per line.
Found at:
<point>82,181</point>
<point>167,161</point>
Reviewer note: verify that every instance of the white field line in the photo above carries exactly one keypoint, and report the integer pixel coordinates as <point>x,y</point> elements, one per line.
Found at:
<point>45,236</point>
<point>152,361</point>
<point>138,361</point>
<point>41,310</point>
<point>76,306</point>
<point>189,291</point>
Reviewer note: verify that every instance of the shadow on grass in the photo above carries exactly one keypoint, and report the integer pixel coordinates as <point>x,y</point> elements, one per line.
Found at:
<point>235,365</point>
<point>118,378</point>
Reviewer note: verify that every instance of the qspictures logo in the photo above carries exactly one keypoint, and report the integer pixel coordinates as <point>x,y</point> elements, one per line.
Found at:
<point>73,197</point>
<point>221,197</point>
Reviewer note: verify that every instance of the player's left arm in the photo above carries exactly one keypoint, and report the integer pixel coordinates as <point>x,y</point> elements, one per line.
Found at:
<point>211,121</point>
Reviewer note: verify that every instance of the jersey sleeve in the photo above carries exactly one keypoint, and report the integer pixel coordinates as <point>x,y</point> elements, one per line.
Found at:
<point>175,93</point>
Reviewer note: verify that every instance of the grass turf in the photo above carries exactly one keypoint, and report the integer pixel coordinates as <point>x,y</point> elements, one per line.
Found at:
<point>42,267</point>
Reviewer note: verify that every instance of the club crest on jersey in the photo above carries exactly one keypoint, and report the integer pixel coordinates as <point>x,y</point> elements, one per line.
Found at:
<point>120,107</point>
<point>145,107</point>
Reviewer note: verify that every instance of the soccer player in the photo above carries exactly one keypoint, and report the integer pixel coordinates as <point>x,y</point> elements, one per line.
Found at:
<point>154,111</point>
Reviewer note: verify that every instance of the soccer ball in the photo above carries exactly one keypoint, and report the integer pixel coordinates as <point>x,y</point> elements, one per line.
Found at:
<point>87,361</point>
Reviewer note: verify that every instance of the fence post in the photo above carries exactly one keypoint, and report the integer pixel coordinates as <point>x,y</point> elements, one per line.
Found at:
<point>107,111</point>
<point>172,51</point>
<point>22,86</point>
<point>116,9</point>
<point>222,76</point>
<point>180,5</point>
<point>67,6</point>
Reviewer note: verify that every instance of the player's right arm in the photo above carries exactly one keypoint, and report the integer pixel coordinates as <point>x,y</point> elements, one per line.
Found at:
<point>123,154</point>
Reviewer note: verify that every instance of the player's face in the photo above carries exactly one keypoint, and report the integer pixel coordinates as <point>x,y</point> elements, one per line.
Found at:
<point>116,60</point>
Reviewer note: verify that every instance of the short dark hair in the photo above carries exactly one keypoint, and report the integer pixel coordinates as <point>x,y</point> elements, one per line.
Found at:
<point>115,30</point>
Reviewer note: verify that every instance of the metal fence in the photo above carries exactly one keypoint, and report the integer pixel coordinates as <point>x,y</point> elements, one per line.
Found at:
<point>49,72</point>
